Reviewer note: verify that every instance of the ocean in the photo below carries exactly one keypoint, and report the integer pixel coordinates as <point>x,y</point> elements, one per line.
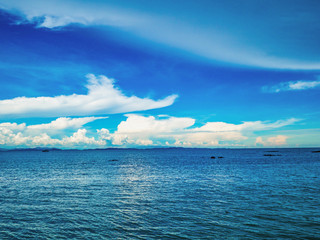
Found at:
<point>160,194</point>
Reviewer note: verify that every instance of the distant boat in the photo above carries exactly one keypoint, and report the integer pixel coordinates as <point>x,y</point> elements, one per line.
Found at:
<point>45,150</point>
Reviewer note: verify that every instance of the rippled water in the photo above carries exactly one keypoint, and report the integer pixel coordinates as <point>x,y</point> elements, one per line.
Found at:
<point>160,194</point>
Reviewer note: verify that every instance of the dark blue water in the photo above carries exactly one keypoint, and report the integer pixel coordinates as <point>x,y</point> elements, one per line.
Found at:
<point>160,194</point>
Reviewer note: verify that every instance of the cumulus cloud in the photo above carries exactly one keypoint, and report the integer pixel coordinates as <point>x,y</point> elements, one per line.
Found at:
<point>138,130</point>
<point>226,134</point>
<point>80,138</point>
<point>275,141</point>
<point>259,142</point>
<point>12,126</point>
<point>292,86</point>
<point>13,134</point>
<point>102,98</point>
<point>8,131</point>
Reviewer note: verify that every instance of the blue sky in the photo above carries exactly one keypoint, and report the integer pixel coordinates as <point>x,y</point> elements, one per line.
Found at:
<point>87,74</point>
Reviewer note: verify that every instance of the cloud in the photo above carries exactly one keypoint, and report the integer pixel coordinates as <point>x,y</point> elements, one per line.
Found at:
<point>59,13</point>
<point>12,126</point>
<point>137,130</point>
<point>292,86</point>
<point>64,123</point>
<point>226,134</point>
<point>53,22</point>
<point>245,126</point>
<point>102,98</point>
<point>301,85</point>
<point>59,124</point>
<point>212,29</point>
<point>10,132</point>
<point>13,134</point>
<point>278,140</point>
<point>79,138</point>
<point>259,142</point>
<point>137,123</point>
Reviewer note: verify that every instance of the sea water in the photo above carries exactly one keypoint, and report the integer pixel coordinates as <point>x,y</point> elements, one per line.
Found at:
<point>160,194</point>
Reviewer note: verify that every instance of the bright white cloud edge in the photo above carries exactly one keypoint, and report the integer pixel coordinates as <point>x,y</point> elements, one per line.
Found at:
<point>102,98</point>
<point>137,131</point>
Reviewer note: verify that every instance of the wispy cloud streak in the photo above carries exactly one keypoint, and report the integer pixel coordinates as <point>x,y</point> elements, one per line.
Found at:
<point>292,86</point>
<point>215,34</point>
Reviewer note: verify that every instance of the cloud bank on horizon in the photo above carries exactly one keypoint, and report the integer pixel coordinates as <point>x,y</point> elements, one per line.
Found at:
<point>138,130</point>
<point>245,33</point>
<point>102,98</point>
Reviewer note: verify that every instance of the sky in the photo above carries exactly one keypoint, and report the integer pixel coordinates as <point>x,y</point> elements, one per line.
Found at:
<point>99,74</point>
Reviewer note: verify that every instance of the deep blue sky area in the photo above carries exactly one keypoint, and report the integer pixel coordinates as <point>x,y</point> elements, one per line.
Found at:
<point>264,92</point>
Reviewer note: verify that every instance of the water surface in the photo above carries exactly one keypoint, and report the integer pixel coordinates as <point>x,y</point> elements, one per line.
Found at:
<point>160,194</point>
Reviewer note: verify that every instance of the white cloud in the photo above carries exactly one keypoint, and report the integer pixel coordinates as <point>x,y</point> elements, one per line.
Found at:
<point>102,98</point>
<point>208,139</point>
<point>80,138</point>
<point>144,142</point>
<point>292,86</point>
<point>12,126</point>
<point>210,32</point>
<point>104,134</point>
<point>226,134</point>
<point>254,126</point>
<point>12,134</point>
<point>301,85</point>
<point>139,130</point>
<point>278,140</point>
<point>52,21</point>
<point>59,13</point>
<point>137,123</point>
<point>64,123</point>
<point>259,142</point>
<point>41,140</point>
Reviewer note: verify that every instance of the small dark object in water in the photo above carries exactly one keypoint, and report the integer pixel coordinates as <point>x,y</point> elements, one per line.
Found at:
<point>220,157</point>
<point>272,151</point>
<point>318,151</point>
<point>271,155</point>
<point>45,150</point>
<point>113,160</point>
<point>212,157</point>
